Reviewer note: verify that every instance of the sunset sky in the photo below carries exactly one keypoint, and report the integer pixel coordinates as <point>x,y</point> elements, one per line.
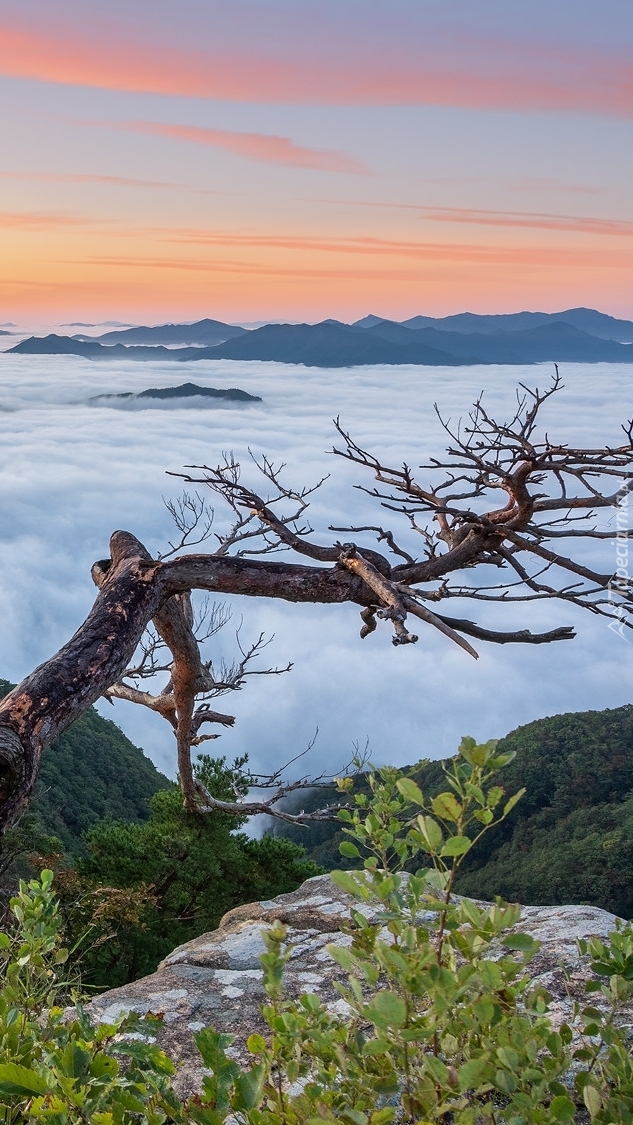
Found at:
<point>297,159</point>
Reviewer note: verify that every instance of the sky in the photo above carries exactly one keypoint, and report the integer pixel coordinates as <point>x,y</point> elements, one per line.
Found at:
<point>70,473</point>
<point>270,159</point>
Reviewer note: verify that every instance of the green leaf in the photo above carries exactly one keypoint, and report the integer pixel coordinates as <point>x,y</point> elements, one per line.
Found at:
<point>148,1053</point>
<point>476,755</point>
<point>375,1047</point>
<point>387,1010</point>
<point>348,883</point>
<point>512,801</point>
<point>592,1099</point>
<point>410,791</point>
<point>562,1108</point>
<point>204,1116</point>
<point>468,911</point>
<point>127,1099</point>
<point>5,941</point>
<point>456,845</point>
<point>473,1073</point>
<point>436,1068</point>
<point>256,1044</point>
<point>354,1115</point>
<point>343,956</point>
<point>103,1064</point>
<point>212,1045</point>
<point>437,880</point>
<point>382,1116</point>
<point>501,760</point>
<point>476,792</point>
<point>349,849</point>
<point>431,833</point>
<point>509,1058</point>
<point>74,1060</point>
<point>447,807</point>
<point>249,1086</point>
<point>16,1079</point>
<point>522,942</point>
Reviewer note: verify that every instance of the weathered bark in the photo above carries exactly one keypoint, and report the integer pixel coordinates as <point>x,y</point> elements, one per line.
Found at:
<point>134,590</point>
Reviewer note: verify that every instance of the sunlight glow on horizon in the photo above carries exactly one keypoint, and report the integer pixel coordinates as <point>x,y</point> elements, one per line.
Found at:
<point>261,163</point>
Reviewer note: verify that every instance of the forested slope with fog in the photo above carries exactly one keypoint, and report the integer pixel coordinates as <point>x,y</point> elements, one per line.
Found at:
<point>569,839</point>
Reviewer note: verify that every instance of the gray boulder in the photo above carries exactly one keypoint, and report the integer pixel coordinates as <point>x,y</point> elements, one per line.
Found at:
<point>216,979</point>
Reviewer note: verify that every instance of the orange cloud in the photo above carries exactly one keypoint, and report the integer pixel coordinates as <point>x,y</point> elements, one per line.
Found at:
<point>578,224</point>
<point>364,245</point>
<point>149,288</point>
<point>254,146</point>
<point>511,76</point>
<point>423,253</point>
<point>40,221</point>
<point>86,178</point>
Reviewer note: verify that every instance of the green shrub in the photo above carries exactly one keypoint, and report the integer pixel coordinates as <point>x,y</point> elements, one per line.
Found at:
<point>443,1022</point>
<point>59,1070</point>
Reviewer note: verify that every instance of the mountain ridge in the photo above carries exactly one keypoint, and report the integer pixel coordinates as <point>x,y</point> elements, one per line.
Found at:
<point>201,332</point>
<point>578,335</point>
<point>569,838</point>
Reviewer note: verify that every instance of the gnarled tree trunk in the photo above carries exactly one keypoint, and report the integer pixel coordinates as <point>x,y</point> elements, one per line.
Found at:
<point>133,590</point>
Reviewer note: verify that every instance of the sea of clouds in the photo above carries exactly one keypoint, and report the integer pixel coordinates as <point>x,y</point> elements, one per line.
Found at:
<point>71,473</point>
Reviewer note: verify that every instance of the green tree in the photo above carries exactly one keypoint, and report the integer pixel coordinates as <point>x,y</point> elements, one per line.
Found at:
<point>181,872</point>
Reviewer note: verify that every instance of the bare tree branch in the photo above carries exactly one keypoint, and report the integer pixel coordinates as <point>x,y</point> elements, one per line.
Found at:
<point>503,495</point>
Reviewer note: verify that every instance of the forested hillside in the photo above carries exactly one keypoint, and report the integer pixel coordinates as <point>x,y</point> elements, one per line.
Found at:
<point>156,876</point>
<point>134,870</point>
<point>570,838</point>
<point>90,772</point>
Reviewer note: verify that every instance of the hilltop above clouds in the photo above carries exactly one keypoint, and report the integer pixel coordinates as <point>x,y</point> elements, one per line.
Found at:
<point>572,336</point>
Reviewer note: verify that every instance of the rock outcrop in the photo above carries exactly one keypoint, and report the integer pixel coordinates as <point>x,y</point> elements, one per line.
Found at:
<point>216,979</point>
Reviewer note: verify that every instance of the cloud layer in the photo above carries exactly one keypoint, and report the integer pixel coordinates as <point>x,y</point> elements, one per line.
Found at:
<point>431,67</point>
<point>70,475</point>
<point>254,146</point>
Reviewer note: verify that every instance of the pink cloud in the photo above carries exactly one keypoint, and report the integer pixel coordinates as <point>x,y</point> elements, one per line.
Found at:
<point>254,146</point>
<point>86,178</point>
<point>477,74</point>
<point>422,253</point>
<point>40,220</point>
<point>578,224</point>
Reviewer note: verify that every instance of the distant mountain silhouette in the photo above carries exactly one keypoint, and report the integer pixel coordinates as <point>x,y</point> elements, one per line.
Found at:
<point>203,332</point>
<point>92,349</point>
<point>574,336</point>
<point>185,390</point>
<point>554,340</point>
<point>338,345</point>
<point>370,321</point>
<point>329,344</point>
<point>586,320</point>
<point>99,324</point>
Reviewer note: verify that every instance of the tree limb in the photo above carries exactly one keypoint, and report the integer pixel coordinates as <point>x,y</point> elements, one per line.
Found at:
<point>457,512</point>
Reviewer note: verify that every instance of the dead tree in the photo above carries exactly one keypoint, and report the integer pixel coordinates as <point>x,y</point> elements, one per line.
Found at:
<point>504,500</point>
